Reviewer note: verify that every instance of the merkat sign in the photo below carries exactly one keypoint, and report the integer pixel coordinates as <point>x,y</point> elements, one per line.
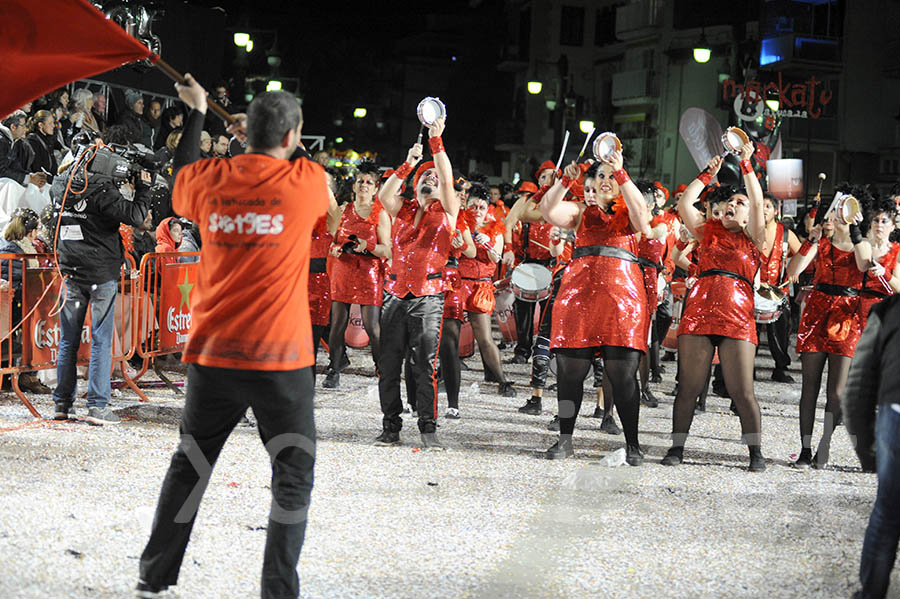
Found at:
<point>175,303</point>
<point>801,99</point>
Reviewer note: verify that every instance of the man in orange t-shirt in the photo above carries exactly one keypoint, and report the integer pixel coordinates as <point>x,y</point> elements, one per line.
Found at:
<point>251,338</point>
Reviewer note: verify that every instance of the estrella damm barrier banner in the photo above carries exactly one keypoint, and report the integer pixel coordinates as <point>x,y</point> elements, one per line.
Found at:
<point>178,280</point>
<point>41,331</point>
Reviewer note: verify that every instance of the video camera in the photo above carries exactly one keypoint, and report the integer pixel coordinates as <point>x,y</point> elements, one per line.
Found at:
<point>114,163</point>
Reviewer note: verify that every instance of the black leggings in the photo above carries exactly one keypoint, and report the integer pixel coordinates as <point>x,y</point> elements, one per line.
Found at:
<point>838,369</point>
<point>340,316</point>
<point>695,354</point>
<point>620,366</point>
<point>318,330</point>
<point>449,352</point>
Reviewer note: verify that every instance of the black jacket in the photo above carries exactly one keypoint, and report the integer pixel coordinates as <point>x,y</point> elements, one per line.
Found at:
<point>874,378</point>
<point>13,157</point>
<point>42,157</point>
<point>95,217</point>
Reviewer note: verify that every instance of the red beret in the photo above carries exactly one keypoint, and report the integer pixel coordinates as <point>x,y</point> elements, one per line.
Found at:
<point>544,166</point>
<point>527,187</point>
<point>681,188</point>
<point>420,171</point>
<point>662,188</point>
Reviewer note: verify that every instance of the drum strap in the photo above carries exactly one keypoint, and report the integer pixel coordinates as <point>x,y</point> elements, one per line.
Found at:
<point>316,265</point>
<point>724,273</point>
<point>452,262</point>
<point>611,252</point>
<point>838,290</point>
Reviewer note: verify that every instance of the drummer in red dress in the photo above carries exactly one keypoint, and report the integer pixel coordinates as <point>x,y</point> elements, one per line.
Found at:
<point>413,305</point>
<point>781,243</point>
<point>319,286</point>
<point>831,323</point>
<point>602,305</point>
<point>535,244</point>
<point>357,273</point>
<point>718,311</point>
<point>883,278</point>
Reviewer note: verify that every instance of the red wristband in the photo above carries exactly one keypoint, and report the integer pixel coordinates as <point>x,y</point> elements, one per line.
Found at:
<point>566,181</point>
<point>436,144</point>
<point>507,247</point>
<point>807,247</point>
<point>680,245</point>
<point>746,167</point>
<point>705,177</point>
<point>621,176</point>
<point>403,171</point>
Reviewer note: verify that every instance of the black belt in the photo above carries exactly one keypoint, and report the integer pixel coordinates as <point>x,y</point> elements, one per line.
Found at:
<point>545,262</point>
<point>428,277</point>
<point>478,279</point>
<point>838,290</point>
<point>452,263</point>
<point>873,293</point>
<point>724,273</point>
<point>317,265</point>
<point>609,252</point>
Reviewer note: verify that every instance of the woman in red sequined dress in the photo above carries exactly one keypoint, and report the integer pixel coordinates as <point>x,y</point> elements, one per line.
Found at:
<point>718,310</point>
<point>357,272</point>
<point>319,287</point>
<point>831,324</point>
<point>883,278</point>
<point>601,306</point>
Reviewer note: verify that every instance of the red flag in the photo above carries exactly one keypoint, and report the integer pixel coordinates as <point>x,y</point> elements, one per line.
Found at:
<point>48,43</point>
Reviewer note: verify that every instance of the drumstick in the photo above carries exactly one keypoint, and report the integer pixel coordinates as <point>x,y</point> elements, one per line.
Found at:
<point>563,151</point>
<point>421,131</point>
<point>584,147</point>
<point>541,245</point>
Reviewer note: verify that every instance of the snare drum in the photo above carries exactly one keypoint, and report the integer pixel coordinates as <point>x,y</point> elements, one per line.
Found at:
<point>531,282</point>
<point>768,304</point>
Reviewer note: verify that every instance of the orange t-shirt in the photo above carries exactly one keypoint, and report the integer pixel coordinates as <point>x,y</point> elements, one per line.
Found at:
<point>255,214</point>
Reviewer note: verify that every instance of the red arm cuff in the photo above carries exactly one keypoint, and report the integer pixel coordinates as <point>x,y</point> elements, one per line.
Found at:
<point>621,176</point>
<point>436,144</point>
<point>566,181</point>
<point>746,167</point>
<point>705,177</point>
<point>680,245</point>
<point>806,247</point>
<point>403,171</point>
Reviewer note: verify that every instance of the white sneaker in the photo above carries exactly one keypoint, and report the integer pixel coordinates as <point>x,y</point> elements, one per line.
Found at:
<point>452,413</point>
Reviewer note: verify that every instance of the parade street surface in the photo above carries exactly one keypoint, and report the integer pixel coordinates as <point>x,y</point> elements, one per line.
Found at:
<point>483,519</point>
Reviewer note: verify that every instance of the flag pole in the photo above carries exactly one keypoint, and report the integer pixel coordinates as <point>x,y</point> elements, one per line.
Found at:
<point>177,77</point>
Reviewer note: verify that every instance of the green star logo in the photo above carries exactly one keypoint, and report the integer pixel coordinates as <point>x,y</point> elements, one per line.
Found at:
<point>185,289</point>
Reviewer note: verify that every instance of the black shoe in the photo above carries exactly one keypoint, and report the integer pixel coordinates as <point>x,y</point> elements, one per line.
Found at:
<point>667,356</point>
<point>387,439</point>
<point>560,450</point>
<point>501,346</point>
<point>506,389</point>
<point>633,455</point>
<point>332,379</point>
<point>145,590</point>
<point>820,460</point>
<point>701,406</point>
<point>64,411</point>
<point>757,461</point>
<point>782,376</point>
<point>720,389</point>
<point>598,412</point>
<point>552,388</point>
<point>532,407</point>
<point>674,457</point>
<point>656,378</point>
<point>674,391</point>
<point>518,359</point>
<point>804,460</point>
<point>554,424</point>
<point>648,399</point>
<point>430,442</point>
<point>609,425</point>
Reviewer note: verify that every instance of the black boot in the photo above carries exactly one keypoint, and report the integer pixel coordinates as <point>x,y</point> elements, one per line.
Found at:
<point>430,442</point>
<point>609,425</point>
<point>554,424</point>
<point>532,407</point>
<point>560,450</point>
<point>804,460</point>
<point>757,461</point>
<point>598,412</point>
<point>506,389</point>
<point>648,399</point>
<point>633,455</point>
<point>674,457</point>
<point>332,379</point>
<point>387,438</point>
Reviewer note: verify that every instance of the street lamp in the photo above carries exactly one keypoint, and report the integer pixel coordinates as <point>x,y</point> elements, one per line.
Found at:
<point>702,52</point>
<point>586,126</point>
<point>241,39</point>
<point>359,113</point>
<point>249,46</point>
<point>273,85</point>
<point>535,87</point>
<point>338,140</point>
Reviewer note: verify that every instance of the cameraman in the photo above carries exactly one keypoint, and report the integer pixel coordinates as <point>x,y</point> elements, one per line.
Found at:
<point>90,257</point>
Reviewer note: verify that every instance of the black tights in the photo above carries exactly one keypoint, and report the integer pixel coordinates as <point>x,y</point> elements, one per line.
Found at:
<point>838,369</point>
<point>695,354</point>
<point>658,329</point>
<point>449,352</point>
<point>318,330</point>
<point>340,316</point>
<point>620,366</point>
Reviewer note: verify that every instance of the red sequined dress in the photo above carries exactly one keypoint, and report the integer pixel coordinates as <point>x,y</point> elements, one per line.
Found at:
<point>601,299</point>
<point>770,268</point>
<point>319,286</point>
<point>833,319</point>
<point>454,301</point>
<point>875,288</point>
<point>721,303</point>
<point>357,278</point>
<point>478,272</point>
<point>656,252</point>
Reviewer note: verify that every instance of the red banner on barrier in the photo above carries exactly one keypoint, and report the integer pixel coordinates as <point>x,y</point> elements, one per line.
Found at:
<point>178,281</point>
<point>42,332</point>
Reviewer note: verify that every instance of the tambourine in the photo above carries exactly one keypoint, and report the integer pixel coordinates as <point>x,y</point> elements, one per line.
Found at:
<point>605,144</point>
<point>846,207</point>
<point>430,109</point>
<point>734,139</point>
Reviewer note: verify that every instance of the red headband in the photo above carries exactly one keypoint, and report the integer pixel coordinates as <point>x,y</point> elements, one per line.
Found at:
<point>546,165</point>
<point>660,187</point>
<point>421,171</point>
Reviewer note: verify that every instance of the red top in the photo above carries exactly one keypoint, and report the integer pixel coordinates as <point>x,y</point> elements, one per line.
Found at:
<point>770,268</point>
<point>321,239</point>
<point>481,266</point>
<point>353,224</point>
<point>889,262</point>
<point>540,233</point>
<point>420,250</point>
<point>250,307</point>
<point>720,304</point>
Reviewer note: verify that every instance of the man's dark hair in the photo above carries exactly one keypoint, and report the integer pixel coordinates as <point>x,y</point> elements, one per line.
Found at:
<point>116,134</point>
<point>270,116</point>
<point>14,118</point>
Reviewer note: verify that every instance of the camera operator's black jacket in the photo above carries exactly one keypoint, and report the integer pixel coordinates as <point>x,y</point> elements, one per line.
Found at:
<point>98,212</point>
